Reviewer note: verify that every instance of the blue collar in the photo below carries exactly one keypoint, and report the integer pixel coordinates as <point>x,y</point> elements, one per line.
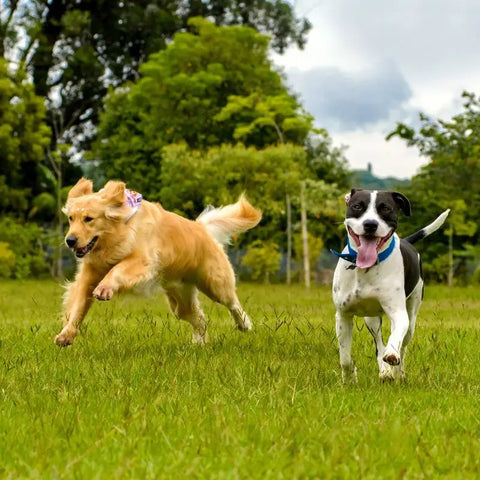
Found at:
<point>351,256</point>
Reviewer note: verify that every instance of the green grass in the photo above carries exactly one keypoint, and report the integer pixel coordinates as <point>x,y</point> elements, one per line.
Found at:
<point>132,398</point>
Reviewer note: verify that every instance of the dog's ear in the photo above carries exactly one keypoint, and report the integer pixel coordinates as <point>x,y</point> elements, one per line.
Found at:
<point>402,203</point>
<point>82,187</point>
<point>348,196</point>
<point>114,193</point>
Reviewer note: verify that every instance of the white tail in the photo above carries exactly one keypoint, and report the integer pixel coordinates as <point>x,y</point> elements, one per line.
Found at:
<point>429,229</point>
<point>437,223</point>
<point>221,223</point>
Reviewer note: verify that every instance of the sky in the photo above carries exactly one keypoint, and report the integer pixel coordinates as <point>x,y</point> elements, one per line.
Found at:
<point>370,64</point>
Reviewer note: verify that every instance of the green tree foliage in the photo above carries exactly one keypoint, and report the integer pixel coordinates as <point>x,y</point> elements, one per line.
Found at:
<point>452,176</point>
<point>7,260</point>
<point>315,246</point>
<point>23,139</point>
<point>24,247</point>
<point>328,162</point>
<point>77,48</point>
<point>263,258</point>
<point>264,120</point>
<point>182,90</point>
<point>192,179</point>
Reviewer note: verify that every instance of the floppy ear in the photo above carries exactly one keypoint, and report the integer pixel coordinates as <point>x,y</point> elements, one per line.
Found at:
<point>348,196</point>
<point>114,193</point>
<point>402,203</point>
<point>82,187</point>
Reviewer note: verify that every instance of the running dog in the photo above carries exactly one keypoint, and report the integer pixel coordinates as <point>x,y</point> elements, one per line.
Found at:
<point>378,273</point>
<point>122,240</point>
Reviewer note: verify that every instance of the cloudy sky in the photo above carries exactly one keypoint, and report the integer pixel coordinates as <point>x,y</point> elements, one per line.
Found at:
<point>370,64</point>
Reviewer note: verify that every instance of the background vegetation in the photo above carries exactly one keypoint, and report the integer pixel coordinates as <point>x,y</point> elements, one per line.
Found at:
<point>191,111</point>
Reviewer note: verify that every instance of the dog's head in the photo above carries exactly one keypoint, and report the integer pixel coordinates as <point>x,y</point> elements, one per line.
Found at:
<point>371,220</point>
<point>92,215</point>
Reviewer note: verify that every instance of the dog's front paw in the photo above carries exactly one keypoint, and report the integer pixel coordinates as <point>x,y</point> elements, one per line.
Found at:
<point>391,357</point>
<point>199,338</point>
<point>65,338</point>
<point>387,373</point>
<point>103,292</point>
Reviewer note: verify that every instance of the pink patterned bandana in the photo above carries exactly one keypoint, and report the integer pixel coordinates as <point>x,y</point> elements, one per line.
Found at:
<point>133,201</point>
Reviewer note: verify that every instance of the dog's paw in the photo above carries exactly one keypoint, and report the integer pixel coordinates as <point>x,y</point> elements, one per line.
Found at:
<point>103,292</point>
<point>349,374</point>
<point>387,373</point>
<point>391,357</point>
<point>199,338</point>
<point>246,325</point>
<point>64,339</point>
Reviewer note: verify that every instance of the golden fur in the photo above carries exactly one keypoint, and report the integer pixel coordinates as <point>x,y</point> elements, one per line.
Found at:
<point>183,255</point>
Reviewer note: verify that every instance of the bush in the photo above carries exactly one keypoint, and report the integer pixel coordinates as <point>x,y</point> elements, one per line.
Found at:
<point>263,258</point>
<point>28,244</point>
<point>7,260</point>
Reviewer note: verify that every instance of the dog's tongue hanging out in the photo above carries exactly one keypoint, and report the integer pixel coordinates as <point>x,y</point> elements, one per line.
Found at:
<point>367,252</point>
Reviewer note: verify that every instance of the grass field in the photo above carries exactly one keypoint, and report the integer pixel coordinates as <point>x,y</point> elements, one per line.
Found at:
<point>132,398</point>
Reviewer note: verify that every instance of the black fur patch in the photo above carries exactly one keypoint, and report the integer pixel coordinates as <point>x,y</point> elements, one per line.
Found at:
<point>412,266</point>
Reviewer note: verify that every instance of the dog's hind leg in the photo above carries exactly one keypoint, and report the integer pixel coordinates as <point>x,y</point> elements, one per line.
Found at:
<point>344,330</point>
<point>184,304</point>
<point>220,287</point>
<point>413,306</point>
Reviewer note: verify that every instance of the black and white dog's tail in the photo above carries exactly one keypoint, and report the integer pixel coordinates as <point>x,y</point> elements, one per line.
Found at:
<point>429,229</point>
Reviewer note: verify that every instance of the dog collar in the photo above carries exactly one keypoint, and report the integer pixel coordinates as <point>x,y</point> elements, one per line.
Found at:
<point>351,256</point>
<point>133,200</point>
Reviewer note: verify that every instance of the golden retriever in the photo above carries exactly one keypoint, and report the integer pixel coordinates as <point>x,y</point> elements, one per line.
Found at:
<point>122,240</point>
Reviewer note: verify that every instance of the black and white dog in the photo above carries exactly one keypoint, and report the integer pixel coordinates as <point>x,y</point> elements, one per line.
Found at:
<point>378,273</point>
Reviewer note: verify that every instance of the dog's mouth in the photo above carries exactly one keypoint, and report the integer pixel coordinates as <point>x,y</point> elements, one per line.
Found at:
<point>368,247</point>
<point>81,252</point>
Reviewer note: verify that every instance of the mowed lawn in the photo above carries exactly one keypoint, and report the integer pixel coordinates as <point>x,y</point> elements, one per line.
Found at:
<point>133,398</point>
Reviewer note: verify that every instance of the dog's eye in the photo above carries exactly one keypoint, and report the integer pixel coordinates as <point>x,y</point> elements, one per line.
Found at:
<point>70,218</point>
<point>384,208</point>
<point>356,206</point>
<point>87,219</point>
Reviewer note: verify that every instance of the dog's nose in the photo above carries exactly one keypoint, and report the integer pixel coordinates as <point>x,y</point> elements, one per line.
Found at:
<point>71,240</point>
<point>370,226</point>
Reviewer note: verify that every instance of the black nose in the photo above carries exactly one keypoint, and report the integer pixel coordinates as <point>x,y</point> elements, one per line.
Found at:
<point>370,226</point>
<point>71,240</point>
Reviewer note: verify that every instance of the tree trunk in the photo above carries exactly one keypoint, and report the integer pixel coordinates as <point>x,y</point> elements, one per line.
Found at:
<point>289,239</point>
<point>306,261</point>
<point>43,57</point>
<point>60,222</point>
<point>57,170</point>
<point>450,257</point>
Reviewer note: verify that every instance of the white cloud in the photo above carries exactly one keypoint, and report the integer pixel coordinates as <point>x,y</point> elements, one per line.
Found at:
<point>344,101</point>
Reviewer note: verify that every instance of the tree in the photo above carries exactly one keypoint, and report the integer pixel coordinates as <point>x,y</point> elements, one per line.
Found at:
<point>263,258</point>
<point>77,48</point>
<point>181,91</point>
<point>265,120</point>
<point>24,137</point>
<point>191,179</point>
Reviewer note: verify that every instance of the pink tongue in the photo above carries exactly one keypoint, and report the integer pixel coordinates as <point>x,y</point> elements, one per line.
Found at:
<point>367,252</point>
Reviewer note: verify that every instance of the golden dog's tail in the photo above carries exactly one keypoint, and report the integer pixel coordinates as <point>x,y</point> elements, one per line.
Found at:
<point>221,223</point>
